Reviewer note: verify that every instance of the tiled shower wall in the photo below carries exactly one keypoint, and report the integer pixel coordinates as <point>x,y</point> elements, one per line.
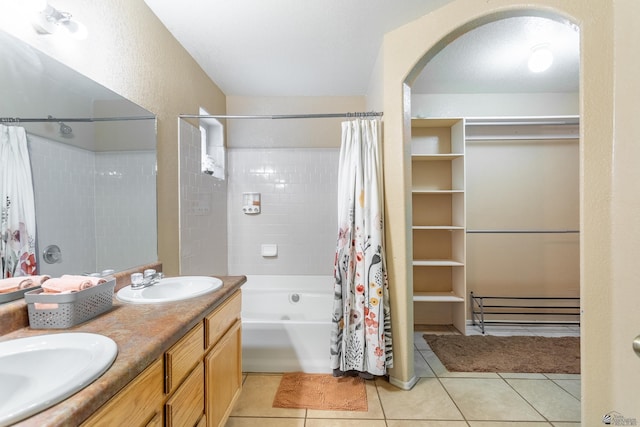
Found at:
<point>298,194</point>
<point>203,211</point>
<point>99,208</point>
<point>64,189</point>
<point>126,218</point>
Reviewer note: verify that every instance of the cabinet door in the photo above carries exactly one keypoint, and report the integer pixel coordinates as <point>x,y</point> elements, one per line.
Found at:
<point>136,404</point>
<point>223,376</point>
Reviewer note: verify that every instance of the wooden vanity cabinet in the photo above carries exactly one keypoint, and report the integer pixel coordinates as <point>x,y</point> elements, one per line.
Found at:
<point>184,379</point>
<point>195,383</point>
<point>223,376</point>
<point>223,361</point>
<point>138,404</point>
<point>186,406</point>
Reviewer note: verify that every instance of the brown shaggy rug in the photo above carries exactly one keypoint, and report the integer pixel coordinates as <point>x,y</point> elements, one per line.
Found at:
<point>321,391</point>
<point>478,353</point>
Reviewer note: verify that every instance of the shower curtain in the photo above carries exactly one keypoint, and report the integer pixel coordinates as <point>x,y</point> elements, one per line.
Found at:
<point>361,324</point>
<point>17,206</point>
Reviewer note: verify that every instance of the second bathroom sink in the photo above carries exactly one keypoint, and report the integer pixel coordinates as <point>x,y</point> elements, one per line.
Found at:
<point>39,371</point>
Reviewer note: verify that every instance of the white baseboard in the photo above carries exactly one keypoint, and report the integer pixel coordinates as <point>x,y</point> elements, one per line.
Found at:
<point>404,385</point>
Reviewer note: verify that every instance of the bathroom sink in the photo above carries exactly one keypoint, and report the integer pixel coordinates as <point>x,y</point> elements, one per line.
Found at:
<point>170,289</point>
<point>38,372</point>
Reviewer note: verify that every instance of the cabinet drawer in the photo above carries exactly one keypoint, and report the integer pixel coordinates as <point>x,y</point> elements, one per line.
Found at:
<point>183,356</point>
<point>218,322</point>
<point>186,406</point>
<point>135,404</point>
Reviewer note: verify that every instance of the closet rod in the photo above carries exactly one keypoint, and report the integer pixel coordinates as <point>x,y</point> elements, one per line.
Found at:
<point>283,116</point>
<point>15,120</point>
<point>523,231</point>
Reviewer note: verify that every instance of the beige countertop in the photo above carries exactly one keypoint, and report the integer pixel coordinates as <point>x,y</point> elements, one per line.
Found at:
<point>143,332</point>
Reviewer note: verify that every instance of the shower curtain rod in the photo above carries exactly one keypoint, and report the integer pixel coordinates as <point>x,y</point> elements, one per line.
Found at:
<point>283,116</point>
<point>522,231</point>
<point>14,120</point>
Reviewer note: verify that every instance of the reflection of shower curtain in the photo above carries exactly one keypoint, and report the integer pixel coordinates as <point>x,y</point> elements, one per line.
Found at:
<point>17,208</point>
<point>361,328</point>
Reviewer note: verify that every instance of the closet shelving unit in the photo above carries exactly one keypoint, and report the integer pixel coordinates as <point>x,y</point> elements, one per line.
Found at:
<point>438,221</point>
<point>439,226</point>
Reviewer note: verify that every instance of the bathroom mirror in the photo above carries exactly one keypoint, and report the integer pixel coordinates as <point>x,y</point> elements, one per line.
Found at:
<point>93,162</point>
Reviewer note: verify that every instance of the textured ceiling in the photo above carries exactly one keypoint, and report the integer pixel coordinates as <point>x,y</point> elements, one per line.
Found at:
<point>329,47</point>
<point>493,59</point>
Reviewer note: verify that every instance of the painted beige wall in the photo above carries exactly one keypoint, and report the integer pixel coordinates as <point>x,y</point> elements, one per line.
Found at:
<point>130,52</point>
<point>523,185</point>
<point>607,203</point>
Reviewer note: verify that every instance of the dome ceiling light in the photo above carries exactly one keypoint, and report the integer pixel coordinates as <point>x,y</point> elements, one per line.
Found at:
<point>540,58</point>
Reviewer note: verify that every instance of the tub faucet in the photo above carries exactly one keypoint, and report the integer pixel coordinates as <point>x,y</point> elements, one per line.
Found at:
<point>140,282</point>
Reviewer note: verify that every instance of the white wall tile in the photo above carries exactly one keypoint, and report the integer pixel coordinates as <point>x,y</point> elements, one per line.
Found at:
<point>99,208</point>
<point>298,196</point>
<point>64,199</point>
<point>203,211</point>
<point>126,218</point>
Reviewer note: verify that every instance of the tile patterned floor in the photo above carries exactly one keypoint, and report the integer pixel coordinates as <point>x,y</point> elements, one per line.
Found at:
<point>439,399</point>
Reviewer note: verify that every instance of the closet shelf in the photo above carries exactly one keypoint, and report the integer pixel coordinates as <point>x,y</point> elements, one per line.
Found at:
<point>437,263</point>
<point>437,227</point>
<point>432,157</point>
<point>437,297</point>
<point>417,190</point>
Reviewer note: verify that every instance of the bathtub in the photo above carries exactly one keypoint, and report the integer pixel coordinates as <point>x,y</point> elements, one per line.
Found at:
<point>286,323</point>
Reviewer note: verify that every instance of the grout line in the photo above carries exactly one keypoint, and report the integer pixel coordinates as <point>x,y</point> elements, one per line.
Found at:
<point>523,398</point>
<point>384,415</point>
<point>464,417</point>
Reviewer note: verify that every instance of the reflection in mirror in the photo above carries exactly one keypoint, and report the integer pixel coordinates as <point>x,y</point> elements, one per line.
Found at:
<point>93,162</point>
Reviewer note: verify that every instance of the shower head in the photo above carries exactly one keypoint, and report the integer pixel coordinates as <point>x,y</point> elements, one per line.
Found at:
<point>65,130</point>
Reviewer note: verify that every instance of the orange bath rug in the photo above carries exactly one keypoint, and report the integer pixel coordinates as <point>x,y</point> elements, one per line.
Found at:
<point>321,391</point>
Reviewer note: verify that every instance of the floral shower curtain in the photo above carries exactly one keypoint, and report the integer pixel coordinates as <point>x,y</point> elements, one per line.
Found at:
<point>17,207</point>
<point>361,327</point>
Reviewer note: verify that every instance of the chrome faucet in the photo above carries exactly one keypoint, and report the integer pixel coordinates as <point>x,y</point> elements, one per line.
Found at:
<point>140,282</point>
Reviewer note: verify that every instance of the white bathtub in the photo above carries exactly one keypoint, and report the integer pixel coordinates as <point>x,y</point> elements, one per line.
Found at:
<point>286,323</point>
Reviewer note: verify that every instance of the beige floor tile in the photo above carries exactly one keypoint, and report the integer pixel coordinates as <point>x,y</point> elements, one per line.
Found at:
<point>373,403</point>
<point>571,386</point>
<point>552,401</point>
<point>421,367</point>
<point>519,375</point>
<point>319,422</point>
<point>256,398</point>
<point>264,422</point>
<point>489,399</point>
<point>565,424</point>
<point>418,423</point>
<point>441,371</point>
<point>563,376</point>
<point>434,363</point>
<point>419,343</point>
<point>507,424</point>
<point>427,400</point>
<point>486,375</point>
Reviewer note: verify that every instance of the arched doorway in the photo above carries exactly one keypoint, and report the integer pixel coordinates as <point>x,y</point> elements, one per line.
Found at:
<point>515,173</point>
<point>600,287</point>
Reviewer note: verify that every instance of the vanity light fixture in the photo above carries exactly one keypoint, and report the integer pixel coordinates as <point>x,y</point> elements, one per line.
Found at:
<point>50,20</point>
<point>540,58</point>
